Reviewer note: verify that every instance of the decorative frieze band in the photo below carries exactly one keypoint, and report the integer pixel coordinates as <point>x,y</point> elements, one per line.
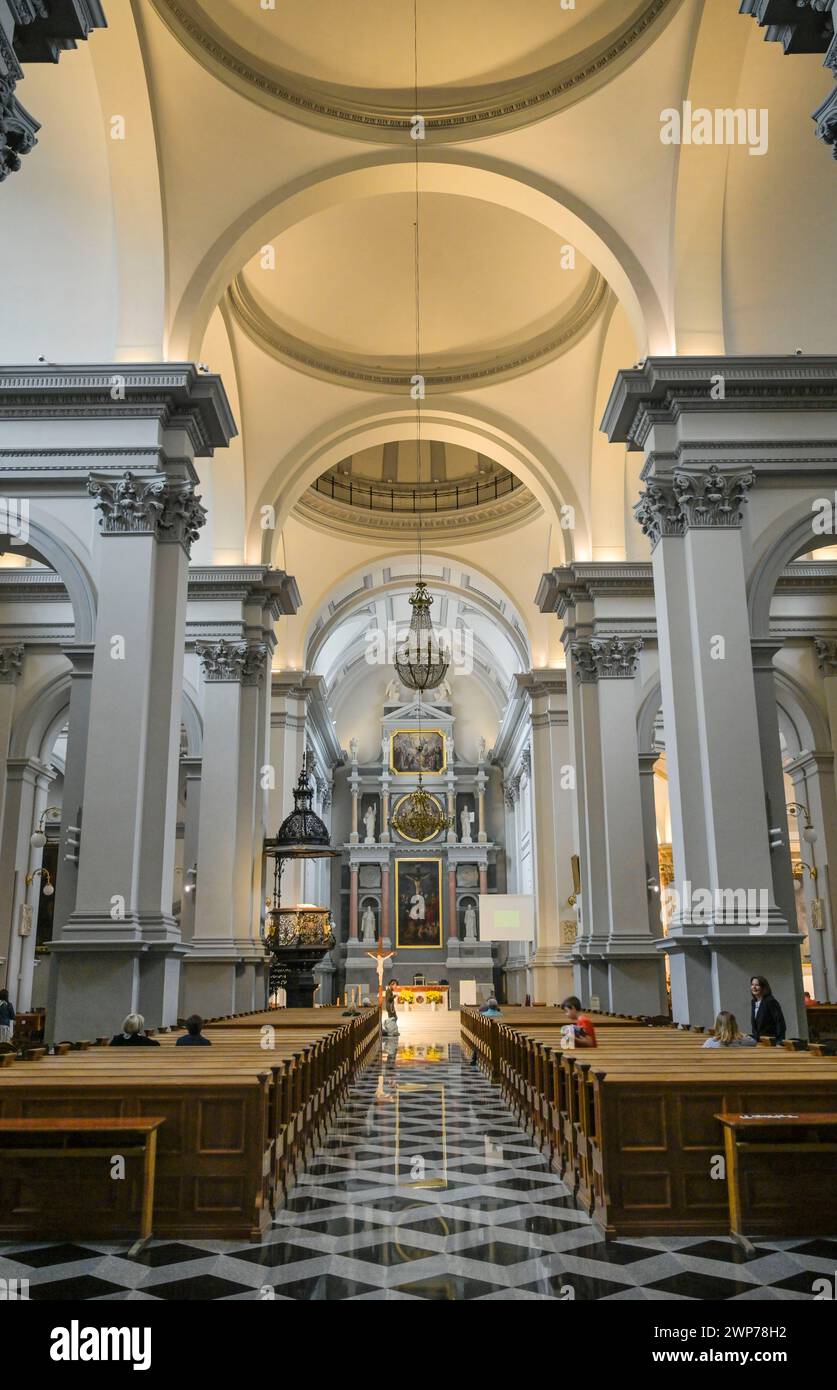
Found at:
<point>605,658</point>
<point>243,662</point>
<point>155,506</point>
<point>11,663</point>
<point>693,501</point>
<point>827,655</point>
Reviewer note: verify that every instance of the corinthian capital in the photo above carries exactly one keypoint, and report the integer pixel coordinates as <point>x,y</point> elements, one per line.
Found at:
<point>11,663</point>
<point>606,658</point>
<point>827,654</point>
<point>693,500</point>
<point>243,662</point>
<point>154,506</point>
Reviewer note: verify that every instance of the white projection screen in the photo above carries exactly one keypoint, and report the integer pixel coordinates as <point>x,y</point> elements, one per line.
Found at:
<point>507,917</point>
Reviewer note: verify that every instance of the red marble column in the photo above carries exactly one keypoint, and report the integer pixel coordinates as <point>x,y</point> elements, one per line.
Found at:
<point>353,903</point>
<point>384,901</point>
<point>453,925</point>
<point>483,879</point>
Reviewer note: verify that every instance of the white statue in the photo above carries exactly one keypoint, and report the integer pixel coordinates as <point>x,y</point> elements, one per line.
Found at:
<point>449,749</point>
<point>393,691</point>
<point>465,818</point>
<point>353,749</point>
<point>482,750</point>
<point>369,817</point>
<point>367,925</point>
<point>470,923</point>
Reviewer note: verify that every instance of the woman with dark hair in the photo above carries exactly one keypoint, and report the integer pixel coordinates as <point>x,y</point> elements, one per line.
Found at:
<point>766,1017</point>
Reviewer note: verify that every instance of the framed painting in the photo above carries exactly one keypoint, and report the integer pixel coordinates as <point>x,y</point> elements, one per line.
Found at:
<point>418,904</point>
<point>417,750</point>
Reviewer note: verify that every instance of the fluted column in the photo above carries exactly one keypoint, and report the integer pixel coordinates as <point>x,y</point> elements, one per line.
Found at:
<point>126,865</point>
<point>814,786</point>
<point>453,924</point>
<point>353,902</point>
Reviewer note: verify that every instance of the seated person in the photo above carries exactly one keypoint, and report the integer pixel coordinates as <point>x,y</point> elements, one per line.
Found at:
<point>727,1034</point>
<point>491,1009</point>
<point>767,1019</point>
<point>193,1037</point>
<point>133,1034</point>
<point>390,1026</point>
<point>585,1033</point>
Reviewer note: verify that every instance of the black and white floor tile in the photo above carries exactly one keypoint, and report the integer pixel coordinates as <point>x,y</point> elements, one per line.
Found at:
<point>426,1189</point>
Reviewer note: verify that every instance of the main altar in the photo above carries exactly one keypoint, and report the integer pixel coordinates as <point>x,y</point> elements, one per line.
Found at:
<point>418,897</point>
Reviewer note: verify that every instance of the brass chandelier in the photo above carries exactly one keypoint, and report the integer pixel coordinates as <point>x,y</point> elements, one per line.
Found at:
<point>420,816</point>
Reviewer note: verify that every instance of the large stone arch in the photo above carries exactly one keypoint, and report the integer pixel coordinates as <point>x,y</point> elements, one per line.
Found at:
<point>789,536</point>
<point>447,419</point>
<point>43,706</point>
<point>53,544</point>
<point>465,174</point>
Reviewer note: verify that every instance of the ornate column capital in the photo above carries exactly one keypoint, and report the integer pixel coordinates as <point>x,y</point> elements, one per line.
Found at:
<point>605,658</point>
<point>157,506</point>
<point>242,662</point>
<point>827,655</point>
<point>693,500</point>
<point>11,663</point>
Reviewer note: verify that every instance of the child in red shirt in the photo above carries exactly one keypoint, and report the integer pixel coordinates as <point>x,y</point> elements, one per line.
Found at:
<point>585,1033</point>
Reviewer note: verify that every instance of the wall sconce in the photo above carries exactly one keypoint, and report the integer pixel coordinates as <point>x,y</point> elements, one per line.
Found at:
<point>47,888</point>
<point>38,838</point>
<point>808,832</point>
<point>190,878</point>
<point>799,870</point>
<point>653,885</point>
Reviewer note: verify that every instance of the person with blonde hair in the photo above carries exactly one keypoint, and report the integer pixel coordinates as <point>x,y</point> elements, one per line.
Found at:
<point>727,1033</point>
<point>133,1034</point>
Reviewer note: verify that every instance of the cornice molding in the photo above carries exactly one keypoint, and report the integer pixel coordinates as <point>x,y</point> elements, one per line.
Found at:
<point>486,518</point>
<point>664,387</point>
<point>176,394</point>
<point>362,374</point>
<point>317,104</point>
<point>805,26</point>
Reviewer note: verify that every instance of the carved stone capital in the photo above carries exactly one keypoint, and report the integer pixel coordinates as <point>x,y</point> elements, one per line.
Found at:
<point>526,761</point>
<point>693,500</point>
<point>606,658</point>
<point>11,663</point>
<point>242,662</point>
<point>148,506</point>
<point>827,655</point>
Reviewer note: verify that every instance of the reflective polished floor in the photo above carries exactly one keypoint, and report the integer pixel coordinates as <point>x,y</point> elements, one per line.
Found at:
<point>426,1188</point>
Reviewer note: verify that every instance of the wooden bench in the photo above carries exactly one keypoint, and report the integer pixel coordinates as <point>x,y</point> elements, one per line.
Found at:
<point>74,1127</point>
<point>770,1134</point>
<point>241,1120</point>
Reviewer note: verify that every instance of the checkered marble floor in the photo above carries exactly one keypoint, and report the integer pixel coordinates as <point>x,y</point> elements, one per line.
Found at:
<point>426,1189</point>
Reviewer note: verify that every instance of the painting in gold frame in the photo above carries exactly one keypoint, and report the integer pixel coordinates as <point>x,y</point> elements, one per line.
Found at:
<point>417,750</point>
<point>418,904</point>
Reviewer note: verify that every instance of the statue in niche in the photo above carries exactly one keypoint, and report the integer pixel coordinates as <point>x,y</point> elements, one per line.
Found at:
<point>369,817</point>
<point>482,750</point>
<point>353,749</point>
<point>367,925</point>
<point>470,922</point>
<point>465,818</point>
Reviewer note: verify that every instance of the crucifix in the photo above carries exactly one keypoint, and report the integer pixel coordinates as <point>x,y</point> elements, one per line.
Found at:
<point>379,957</point>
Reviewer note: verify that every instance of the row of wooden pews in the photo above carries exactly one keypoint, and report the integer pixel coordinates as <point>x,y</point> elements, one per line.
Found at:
<point>240,1118</point>
<point>632,1126</point>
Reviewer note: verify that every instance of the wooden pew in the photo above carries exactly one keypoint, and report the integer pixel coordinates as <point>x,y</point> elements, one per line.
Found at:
<point>240,1120</point>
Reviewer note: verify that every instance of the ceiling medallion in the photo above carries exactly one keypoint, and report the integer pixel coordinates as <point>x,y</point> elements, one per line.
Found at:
<point>419,816</point>
<point>529,99</point>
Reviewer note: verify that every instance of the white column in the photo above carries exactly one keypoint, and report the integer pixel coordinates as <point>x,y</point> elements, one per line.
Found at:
<point>716,779</point>
<point>219,973</point>
<point>635,971</point>
<point>27,784</point>
<point>191,770</point>
<point>11,665</point>
<point>589,968</point>
<point>814,787</point>
<point>827,658</point>
<point>119,950</point>
<point>78,722</point>
<point>550,968</point>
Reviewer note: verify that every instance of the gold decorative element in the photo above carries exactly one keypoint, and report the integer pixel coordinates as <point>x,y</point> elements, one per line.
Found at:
<point>420,771</point>
<point>298,926</point>
<point>419,816</point>
<point>665,858</point>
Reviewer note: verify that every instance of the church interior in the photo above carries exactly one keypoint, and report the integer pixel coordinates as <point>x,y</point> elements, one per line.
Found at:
<point>418,651</point>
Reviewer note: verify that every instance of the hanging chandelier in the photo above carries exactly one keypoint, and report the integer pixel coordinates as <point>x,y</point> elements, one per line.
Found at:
<point>421,659</point>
